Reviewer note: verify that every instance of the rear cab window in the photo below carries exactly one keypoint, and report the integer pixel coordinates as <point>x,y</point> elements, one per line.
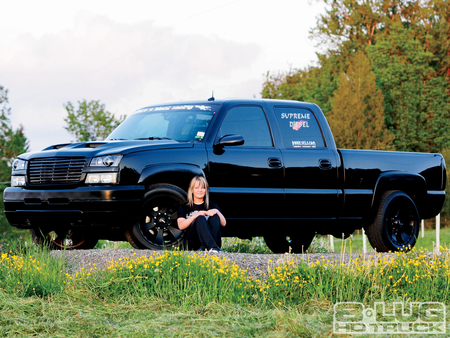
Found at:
<point>299,128</point>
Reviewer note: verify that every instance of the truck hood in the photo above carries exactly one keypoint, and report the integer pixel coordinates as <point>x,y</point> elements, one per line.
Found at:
<point>101,148</point>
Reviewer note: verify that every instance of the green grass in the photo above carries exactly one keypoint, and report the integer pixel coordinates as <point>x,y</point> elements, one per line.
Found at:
<point>10,234</point>
<point>64,317</point>
<point>105,244</point>
<point>427,242</point>
<point>187,294</point>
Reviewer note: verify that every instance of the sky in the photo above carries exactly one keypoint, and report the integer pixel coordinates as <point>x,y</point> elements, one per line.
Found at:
<point>134,53</point>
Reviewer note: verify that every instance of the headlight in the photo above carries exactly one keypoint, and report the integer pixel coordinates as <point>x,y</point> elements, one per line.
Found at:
<point>19,164</point>
<point>106,161</point>
<point>98,178</point>
<point>17,181</point>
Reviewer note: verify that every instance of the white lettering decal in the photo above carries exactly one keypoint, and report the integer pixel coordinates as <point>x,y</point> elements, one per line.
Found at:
<point>296,116</point>
<point>304,144</point>
<point>298,124</point>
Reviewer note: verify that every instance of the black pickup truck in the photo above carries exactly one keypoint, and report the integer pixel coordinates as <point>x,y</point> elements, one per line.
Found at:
<point>273,169</point>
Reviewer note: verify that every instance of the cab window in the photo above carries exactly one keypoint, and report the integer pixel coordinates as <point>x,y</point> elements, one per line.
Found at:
<point>299,128</point>
<point>250,122</point>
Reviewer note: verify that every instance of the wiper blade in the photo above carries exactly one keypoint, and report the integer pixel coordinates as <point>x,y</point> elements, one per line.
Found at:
<point>117,139</point>
<point>153,138</point>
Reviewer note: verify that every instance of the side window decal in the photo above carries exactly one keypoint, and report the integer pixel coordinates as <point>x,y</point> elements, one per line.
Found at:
<point>299,128</point>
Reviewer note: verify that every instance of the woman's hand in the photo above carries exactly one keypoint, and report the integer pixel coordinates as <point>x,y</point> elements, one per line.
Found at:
<point>212,212</point>
<point>184,223</point>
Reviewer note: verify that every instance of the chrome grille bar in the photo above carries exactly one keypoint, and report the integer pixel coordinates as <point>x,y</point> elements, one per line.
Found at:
<point>55,170</point>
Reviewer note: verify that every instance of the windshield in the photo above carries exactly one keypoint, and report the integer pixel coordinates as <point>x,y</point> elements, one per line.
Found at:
<point>183,123</point>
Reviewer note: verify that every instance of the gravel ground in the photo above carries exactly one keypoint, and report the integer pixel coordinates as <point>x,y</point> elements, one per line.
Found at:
<point>256,264</point>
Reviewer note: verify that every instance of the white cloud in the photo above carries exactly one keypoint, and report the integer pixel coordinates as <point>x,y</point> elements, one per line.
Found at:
<point>142,52</point>
<point>116,63</point>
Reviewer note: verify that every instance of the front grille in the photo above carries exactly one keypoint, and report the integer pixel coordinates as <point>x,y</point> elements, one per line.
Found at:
<point>55,170</point>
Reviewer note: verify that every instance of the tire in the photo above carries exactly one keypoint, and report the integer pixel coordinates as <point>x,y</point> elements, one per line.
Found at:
<point>157,228</point>
<point>289,241</point>
<point>66,239</point>
<point>396,224</point>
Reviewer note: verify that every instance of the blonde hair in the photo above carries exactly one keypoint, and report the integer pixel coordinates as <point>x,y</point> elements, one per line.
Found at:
<point>190,194</point>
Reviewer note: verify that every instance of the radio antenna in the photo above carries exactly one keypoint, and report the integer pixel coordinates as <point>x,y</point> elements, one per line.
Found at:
<point>212,97</point>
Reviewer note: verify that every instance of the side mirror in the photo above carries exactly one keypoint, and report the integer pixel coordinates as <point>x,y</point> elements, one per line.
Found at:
<point>230,140</point>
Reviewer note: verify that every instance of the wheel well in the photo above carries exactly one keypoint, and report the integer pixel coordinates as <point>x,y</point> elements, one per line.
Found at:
<point>413,185</point>
<point>180,180</point>
<point>178,175</point>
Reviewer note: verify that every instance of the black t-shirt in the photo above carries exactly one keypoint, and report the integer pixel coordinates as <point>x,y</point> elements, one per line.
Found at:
<point>185,211</point>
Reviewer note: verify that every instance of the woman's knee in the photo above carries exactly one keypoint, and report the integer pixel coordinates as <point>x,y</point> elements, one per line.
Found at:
<point>214,220</point>
<point>200,221</point>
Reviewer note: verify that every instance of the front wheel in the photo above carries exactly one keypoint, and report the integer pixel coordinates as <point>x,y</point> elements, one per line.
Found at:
<point>157,228</point>
<point>396,223</point>
<point>296,241</point>
<point>67,239</point>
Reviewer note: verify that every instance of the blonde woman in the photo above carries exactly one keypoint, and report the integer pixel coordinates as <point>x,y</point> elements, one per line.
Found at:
<point>200,218</point>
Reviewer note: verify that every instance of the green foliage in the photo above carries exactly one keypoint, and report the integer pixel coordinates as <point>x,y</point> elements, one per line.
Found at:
<point>105,244</point>
<point>435,33</point>
<point>357,115</point>
<point>30,270</point>
<point>417,106</point>
<point>313,84</point>
<point>408,43</point>
<point>362,279</point>
<point>180,277</point>
<point>90,121</point>
<point>256,245</point>
<point>12,142</point>
<point>82,316</point>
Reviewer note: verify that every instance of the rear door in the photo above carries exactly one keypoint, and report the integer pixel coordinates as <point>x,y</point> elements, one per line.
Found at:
<point>311,168</point>
<point>247,180</point>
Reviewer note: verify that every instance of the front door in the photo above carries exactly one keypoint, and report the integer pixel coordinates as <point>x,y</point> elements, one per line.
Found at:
<point>246,181</point>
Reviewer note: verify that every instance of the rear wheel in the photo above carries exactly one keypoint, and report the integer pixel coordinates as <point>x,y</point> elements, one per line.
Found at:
<point>396,224</point>
<point>157,228</point>
<point>294,241</point>
<point>67,239</point>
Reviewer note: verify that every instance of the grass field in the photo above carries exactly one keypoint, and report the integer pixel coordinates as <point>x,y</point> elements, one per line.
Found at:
<point>427,242</point>
<point>180,294</point>
<point>186,294</point>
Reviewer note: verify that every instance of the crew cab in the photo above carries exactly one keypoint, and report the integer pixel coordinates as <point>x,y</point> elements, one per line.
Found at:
<point>273,169</point>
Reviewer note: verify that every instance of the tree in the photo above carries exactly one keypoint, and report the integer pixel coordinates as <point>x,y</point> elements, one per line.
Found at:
<point>440,44</point>
<point>90,122</point>
<point>408,43</point>
<point>357,114</point>
<point>312,84</point>
<point>417,105</point>
<point>12,142</point>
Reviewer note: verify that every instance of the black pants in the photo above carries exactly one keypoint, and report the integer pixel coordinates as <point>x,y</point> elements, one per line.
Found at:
<point>204,234</point>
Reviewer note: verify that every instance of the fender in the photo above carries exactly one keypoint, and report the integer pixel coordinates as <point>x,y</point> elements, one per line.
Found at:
<point>178,174</point>
<point>412,184</point>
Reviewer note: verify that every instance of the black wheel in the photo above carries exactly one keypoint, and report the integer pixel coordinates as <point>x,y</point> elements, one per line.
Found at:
<point>396,224</point>
<point>289,241</point>
<point>158,228</point>
<point>67,239</point>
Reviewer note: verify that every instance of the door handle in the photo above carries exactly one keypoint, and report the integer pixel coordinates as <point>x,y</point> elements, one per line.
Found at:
<point>274,162</point>
<point>325,164</point>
